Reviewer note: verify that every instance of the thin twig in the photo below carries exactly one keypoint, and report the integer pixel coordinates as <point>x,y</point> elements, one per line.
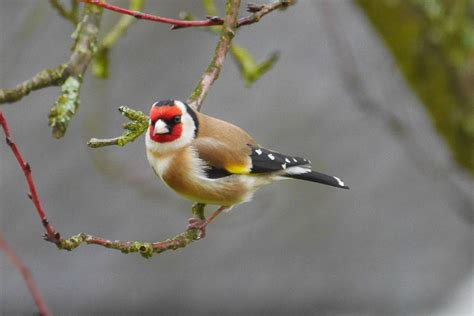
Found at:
<point>45,78</point>
<point>33,195</point>
<point>259,12</point>
<point>26,274</point>
<point>155,18</point>
<point>68,15</point>
<point>138,125</point>
<point>212,72</point>
<point>145,249</point>
<point>263,10</point>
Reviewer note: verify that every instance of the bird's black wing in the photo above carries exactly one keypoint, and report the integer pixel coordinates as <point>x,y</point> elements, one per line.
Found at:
<point>265,160</point>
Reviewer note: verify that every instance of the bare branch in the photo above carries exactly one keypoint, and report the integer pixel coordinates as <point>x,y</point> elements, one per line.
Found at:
<point>258,10</point>
<point>26,168</point>
<point>26,274</point>
<point>154,18</point>
<point>262,10</point>
<point>212,72</point>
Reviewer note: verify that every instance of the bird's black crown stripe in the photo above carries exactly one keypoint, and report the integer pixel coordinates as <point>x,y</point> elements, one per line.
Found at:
<point>193,115</point>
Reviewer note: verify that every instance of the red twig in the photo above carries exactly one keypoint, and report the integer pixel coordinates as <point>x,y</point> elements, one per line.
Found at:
<point>258,13</point>
<point>25,273</point>
<point>51,233</point>
<point>144,16</point>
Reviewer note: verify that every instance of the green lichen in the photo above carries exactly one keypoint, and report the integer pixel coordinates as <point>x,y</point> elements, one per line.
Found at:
<point>135,128</point>
<point>71,243</point>
<point>65,106</point>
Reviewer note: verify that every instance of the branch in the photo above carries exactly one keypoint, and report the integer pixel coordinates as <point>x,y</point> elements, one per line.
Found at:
<point>33,195</point>
<point>68,15</point>
<point>26,274</point>
<point>259,12</point>
<point>262,10</point>
<point>45,78</point>
<point>133,129</point>
<point>146,249</point>
<point>84,48</point>
<point>155,18</point>
<point>212,72</point>
<point>68,75</point>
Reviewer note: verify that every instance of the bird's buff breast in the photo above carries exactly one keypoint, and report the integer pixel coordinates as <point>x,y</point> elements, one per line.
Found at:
<point>182,171</point>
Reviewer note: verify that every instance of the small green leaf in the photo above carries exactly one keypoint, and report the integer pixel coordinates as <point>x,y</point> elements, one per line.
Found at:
<point>249,69</point>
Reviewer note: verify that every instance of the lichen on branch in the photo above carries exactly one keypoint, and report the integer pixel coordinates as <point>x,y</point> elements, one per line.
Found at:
<point>85,46</point>
<point>45,78</point>
<point>137,126</point>
<point>65,107</point>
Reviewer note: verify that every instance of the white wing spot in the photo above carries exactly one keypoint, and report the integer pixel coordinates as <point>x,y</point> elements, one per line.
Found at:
<point>287,160</point>
<point>294,159</point>
<point>339,181</point>
<point>283,166</point>
<point>297,170</point>
<point>271,157</point>
<point>258,151</point>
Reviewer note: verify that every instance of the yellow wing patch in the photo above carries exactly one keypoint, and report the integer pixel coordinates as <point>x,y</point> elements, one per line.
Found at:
<point>237,169</point>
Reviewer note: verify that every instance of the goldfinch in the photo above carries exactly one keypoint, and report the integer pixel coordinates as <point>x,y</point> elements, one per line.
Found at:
<point>210,161</point>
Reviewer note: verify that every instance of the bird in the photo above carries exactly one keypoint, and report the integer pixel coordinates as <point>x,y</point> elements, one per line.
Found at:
<point>211,161</point>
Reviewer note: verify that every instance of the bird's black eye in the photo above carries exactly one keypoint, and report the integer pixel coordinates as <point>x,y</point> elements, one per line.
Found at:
<point>177,119</point>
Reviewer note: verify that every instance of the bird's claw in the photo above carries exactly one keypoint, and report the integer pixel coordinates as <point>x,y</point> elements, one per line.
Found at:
<point>199,224</point>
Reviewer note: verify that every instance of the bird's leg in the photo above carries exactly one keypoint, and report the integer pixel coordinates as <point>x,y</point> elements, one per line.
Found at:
<point>201,223</point>
<point>198,210</point>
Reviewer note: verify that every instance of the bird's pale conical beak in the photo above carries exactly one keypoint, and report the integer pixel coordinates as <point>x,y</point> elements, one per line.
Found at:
<point>160,128</point>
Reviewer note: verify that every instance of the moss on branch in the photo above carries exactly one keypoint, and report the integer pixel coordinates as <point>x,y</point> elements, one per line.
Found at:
<point>84,47</point>
<point>144,248</point>
<point>137,126</point>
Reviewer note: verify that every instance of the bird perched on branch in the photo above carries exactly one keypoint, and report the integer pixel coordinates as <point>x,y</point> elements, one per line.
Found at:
<point>211,161</point>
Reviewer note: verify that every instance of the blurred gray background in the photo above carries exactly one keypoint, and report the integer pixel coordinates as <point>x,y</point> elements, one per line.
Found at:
<point>400,242</point>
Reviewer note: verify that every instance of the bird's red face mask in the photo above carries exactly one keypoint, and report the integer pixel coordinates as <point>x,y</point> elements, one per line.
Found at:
<point>166,125</point>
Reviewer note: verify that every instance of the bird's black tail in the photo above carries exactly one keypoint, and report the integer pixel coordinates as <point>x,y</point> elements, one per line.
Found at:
<point>314,176</point>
